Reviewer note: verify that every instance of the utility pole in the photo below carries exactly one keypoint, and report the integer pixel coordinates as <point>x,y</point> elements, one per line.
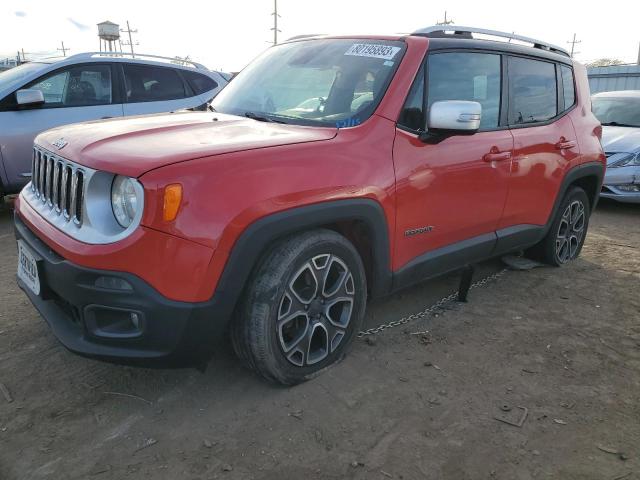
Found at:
<point>275,22</point>
<point>445,21</point>
<point>130,43</point>
<point>638,53</point>
<point>573,45</point>
<point>63,50</point>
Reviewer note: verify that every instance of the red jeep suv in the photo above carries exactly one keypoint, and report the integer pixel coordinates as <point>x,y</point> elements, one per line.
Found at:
<point>330,170</point>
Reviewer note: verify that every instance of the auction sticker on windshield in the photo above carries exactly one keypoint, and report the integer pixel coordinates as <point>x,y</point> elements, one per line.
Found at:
<point>28,268</point>
<point>373,50</point>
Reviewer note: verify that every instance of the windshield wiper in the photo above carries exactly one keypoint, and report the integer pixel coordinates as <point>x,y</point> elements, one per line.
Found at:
<point>262,118</point>
<point>616,124</point>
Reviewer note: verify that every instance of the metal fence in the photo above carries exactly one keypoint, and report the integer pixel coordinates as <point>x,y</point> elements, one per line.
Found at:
<point>618,77</point>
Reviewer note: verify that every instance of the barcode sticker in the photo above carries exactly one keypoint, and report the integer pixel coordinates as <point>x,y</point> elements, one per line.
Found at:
<point>372,50</point>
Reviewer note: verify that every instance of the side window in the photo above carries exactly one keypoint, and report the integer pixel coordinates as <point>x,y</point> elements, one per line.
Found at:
<point>532,91</point>
<point>467,76</point>
<point>76,87</point>
<point>152,84</point>
<point>198,82</point>
<point>412,114</point>
<point>568,87</point>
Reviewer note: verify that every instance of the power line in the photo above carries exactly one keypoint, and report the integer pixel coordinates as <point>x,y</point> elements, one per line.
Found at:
<point>275,22</point>
<point>573,45</point>
<point>445,21</point>
<point>130,42</point>
<point>63,49</point>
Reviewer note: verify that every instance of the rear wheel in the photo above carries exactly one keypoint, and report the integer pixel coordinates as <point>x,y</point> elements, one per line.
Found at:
<point>567,234</point>
<point>302,307</point>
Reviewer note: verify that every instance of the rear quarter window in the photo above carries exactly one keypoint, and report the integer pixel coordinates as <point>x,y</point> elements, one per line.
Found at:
<point>568,86</point>
<point>198,82</point>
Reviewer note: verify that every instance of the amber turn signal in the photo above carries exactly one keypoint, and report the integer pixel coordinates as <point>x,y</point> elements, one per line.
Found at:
<point>172,200</point>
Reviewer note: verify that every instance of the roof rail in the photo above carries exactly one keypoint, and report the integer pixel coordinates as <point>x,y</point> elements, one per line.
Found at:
<point>302,37</point>
<point>466,32</point>
<point>141,56</point>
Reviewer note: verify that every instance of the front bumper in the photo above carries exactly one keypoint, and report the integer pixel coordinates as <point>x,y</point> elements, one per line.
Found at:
<point>619,181</point>
<point>79,311</point>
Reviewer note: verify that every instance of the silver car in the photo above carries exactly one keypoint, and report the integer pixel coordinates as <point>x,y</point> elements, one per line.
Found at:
<point>619,113</point>
<point>37,96</point>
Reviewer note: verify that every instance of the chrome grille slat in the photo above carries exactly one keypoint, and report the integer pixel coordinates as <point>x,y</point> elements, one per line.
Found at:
<point>41,176</point>
<point>74,196</point>
<point>66,191</point>
<point>57,177</point>
<point>33,169</point>
<point>50,165</point>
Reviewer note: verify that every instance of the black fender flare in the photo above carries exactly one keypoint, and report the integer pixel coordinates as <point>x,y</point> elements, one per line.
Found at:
<point>258,236</point>
<point>589,169</point>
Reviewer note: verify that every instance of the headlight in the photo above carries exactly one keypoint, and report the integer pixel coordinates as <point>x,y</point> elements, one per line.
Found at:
<point>125,200</point>
<point>629,160</point>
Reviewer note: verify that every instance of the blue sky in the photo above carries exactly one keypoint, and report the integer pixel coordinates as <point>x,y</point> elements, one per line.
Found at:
<point>227,34</point>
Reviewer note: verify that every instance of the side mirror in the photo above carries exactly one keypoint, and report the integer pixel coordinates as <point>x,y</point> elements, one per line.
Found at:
<point>452,117</point>
<point>29,97</point>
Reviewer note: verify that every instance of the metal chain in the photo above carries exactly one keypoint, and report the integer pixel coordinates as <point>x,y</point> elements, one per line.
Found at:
<point>430,309</point>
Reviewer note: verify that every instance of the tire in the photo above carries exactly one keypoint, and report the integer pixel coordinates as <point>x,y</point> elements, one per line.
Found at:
<point>302,307</point>
<point>564,240</point>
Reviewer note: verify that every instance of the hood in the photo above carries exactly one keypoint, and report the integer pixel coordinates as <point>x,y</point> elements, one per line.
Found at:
<point>620,139</point>
<point>135,145</point>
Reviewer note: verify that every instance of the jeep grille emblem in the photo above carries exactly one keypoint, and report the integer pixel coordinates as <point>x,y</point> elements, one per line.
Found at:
<point>60,143</point>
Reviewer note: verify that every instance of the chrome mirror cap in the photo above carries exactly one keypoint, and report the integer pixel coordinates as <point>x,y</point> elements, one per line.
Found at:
<point>455,115</point>
<point>29,97</point>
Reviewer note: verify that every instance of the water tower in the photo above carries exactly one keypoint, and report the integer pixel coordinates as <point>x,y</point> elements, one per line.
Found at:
<point>109,34</point>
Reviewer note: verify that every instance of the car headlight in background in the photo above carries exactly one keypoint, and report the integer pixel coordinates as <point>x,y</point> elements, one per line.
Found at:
<point>125,200</point>
<point>629,160</point>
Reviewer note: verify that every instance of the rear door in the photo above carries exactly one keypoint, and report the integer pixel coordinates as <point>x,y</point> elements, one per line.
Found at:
<point>156,89</point>
<point>450,195</point>
<point>545,143</point>
<point>72,94</point>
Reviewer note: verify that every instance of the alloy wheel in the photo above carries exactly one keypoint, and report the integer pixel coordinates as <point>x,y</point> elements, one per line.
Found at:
<point>315,310</point>
<point>570,231</point>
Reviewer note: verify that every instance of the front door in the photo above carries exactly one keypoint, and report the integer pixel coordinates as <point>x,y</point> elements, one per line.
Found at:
<point>71,94</point>
<point>450,195</point>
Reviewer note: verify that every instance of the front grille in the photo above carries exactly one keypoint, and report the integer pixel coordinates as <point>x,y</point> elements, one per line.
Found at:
<point>58,184</point>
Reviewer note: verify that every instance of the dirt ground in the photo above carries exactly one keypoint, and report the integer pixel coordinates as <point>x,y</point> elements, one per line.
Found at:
<point>563,343</point>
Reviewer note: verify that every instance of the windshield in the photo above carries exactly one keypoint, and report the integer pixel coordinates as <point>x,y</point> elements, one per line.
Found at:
<point>318,82</point>
<point>617,111</point>
<point>15,75</point>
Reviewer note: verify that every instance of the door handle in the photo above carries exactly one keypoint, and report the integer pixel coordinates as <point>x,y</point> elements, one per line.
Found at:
<point>105,118</point>
<point>496,156</point>
<point>564,144</point>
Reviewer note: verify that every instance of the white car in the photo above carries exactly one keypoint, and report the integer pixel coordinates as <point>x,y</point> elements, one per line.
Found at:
<point>37,96</point>
<point>619,113</point>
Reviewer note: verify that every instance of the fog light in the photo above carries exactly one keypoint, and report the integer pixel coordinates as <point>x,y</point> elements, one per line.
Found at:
<point>109,322</point>
<point>135,320</point>
<point>113,283</point>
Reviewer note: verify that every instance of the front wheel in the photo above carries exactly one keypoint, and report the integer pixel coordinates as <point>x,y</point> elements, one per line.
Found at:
<point>567,234</point>
<point>302,307</point>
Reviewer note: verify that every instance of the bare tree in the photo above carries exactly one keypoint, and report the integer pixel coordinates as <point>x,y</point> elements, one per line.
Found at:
<point>605,62</point>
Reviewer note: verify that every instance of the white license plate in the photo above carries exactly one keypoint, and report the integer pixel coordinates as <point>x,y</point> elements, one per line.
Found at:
<point>28,268</point>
